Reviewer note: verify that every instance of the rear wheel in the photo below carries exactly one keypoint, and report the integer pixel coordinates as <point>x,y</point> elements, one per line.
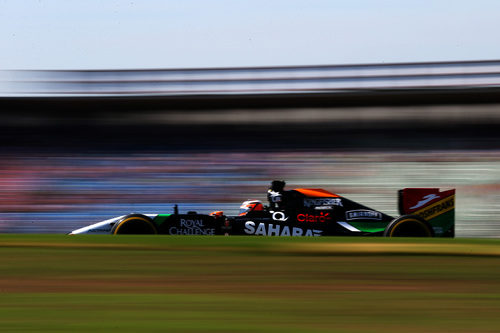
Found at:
<point>134,224</point>
<point>409,226</point>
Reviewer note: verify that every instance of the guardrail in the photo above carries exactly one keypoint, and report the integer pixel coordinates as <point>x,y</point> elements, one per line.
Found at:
<point>265,80</point>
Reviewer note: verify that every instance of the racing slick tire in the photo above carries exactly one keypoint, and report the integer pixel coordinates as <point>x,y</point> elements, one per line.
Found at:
<point>134,224</point>
<point>409,226</point>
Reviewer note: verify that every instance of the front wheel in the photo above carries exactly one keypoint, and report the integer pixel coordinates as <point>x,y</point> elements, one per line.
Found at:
<point>134,224</point>
<point>409,226</point>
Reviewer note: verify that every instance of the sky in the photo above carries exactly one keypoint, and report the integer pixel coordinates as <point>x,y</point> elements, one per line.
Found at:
<point>111,34</point>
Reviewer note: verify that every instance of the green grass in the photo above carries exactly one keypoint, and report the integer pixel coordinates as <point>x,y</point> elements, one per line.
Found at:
<point>58,283</point>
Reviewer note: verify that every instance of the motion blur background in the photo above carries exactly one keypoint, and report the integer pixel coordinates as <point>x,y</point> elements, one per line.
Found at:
<point>203,109</point>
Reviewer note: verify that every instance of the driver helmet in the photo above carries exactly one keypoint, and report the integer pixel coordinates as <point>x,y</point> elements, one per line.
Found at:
<point>251,206</point>
<point>216,214</point>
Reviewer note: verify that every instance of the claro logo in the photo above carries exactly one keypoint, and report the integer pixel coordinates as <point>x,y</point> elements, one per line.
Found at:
<point>322,217</point>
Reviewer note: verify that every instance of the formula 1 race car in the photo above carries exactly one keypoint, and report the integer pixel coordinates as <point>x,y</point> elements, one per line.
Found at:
<point>425,212</point>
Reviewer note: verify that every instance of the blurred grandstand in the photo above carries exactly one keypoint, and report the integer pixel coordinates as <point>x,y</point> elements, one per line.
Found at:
<point>80,146</point>
<point>253,81</point>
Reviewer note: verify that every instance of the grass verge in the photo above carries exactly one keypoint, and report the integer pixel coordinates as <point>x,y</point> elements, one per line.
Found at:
<point>248,284</point>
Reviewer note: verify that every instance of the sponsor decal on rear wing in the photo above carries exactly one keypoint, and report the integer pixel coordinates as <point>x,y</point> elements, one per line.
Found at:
<point>436,208</point>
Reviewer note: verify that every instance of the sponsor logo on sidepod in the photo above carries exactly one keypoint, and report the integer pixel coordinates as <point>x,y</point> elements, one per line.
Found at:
<point>265,229</point>
<point>361,214</point>
<point>322,217</point>
<point>191,227</point>
<point>279,216</point>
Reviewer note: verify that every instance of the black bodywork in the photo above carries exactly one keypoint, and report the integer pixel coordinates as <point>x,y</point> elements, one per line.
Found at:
<point>302,215</point>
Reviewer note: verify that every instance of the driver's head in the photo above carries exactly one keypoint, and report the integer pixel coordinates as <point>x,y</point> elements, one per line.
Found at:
<point>251,206</point>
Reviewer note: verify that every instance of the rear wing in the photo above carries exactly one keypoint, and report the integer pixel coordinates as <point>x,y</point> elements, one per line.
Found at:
<point>435,206</point>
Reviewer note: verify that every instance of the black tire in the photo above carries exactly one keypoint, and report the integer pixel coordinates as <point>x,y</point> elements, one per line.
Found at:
<point>409,226</point>
<point>134,224</point>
